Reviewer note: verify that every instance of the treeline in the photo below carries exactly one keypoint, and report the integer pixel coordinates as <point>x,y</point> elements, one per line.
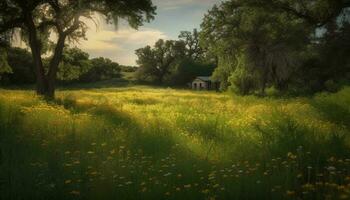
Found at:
<point>248,46</point>
<point>291,46</point>
<point>75,67</point>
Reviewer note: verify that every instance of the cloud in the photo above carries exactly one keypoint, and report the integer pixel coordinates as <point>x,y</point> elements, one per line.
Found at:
<point>118,44</point>
<point>171,4</point>
<point>142,36</point>
<point>96,41</point>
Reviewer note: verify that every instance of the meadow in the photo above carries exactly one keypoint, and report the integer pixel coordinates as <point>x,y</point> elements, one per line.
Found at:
<point>139,142</point>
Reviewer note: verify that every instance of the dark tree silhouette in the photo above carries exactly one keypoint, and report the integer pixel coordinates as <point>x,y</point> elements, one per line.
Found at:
<point>37,19</point>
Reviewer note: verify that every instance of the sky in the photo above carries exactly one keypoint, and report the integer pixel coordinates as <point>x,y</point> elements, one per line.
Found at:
<point>119,43</point>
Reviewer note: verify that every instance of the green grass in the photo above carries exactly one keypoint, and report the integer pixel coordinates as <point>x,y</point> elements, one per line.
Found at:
<point>138,142</point>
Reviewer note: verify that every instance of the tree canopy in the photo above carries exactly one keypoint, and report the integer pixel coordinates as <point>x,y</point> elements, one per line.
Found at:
<point>174,62</point>
<point>38,19</point>
<point>74,63</point>
<point>101,69</point>
<point>315,12</point>
<point>155,63</point>
<point>262,43</point>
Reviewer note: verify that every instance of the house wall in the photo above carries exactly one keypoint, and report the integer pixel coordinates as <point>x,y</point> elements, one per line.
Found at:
<point>199,85</point>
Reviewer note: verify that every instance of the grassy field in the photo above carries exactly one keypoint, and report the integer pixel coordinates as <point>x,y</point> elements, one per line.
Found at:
<point>140,142</point>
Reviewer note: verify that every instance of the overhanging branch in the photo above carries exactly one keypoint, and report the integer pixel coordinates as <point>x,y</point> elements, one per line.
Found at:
<point>74,27</point>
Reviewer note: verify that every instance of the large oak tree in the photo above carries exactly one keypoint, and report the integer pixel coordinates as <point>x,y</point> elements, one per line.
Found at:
<point>261,41</point>
<point>269,38</point>
<point>155,63</point>
<point>37,20</point>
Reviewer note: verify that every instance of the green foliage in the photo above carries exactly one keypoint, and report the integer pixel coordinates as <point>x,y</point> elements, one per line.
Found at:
<point>22,66</point>
<point>38,20</point>
<point>223,71</point>
<point>242,80</point>
<point>4,66</point>
<point>74,64</point>
<point>282,42</point>
<point>63,17</point>
<point>186,70</point>
<point>317,13</point>
<point>174,62</point>
<point>128,68</point>
<point>326,65</point>
<point>75,67</point>
<point>269,41</point>
<point>101,69</point>
<point>193,49</point>
<point>155,63</point>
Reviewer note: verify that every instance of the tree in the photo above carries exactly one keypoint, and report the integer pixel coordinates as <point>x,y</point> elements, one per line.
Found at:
<point>267,41</point>
<point>38,19</point>
<point>191,40</point>
<point>243,80</point>
<point>21,62</point>
<point>4,66</point>
<point>75,63</point>
<point>155,63</point>
<point>186,69</point>
<point>101,69</point>
<point>327,63</point>
<point>315,12</point>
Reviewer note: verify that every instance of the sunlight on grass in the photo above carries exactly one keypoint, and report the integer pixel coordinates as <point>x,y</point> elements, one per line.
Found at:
<point>140,142</point>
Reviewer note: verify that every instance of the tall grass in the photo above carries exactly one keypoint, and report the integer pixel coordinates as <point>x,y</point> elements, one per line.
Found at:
<point>145,143</point>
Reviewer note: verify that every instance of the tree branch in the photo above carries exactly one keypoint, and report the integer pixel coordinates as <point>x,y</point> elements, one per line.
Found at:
<point>45,24</point>
<point>74,27</point>
<point>305,14</point>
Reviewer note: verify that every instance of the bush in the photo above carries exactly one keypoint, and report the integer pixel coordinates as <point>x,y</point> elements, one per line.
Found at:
<point>21,62</point>
<point>331,86</point>
<point>243,80</point>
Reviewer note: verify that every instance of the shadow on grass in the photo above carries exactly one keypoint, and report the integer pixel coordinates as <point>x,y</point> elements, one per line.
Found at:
<point>117,82</point>
<point>286,135</point>
<point>90,162</point>
<point>26,87</point>
<point>334,112</point>
<point>97,85</point>
<point>155,139</point>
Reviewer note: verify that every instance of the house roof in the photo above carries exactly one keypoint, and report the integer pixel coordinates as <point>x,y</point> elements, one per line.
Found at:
<point>203,78</point>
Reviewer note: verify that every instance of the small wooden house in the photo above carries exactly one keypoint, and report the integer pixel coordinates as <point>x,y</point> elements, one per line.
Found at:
<point>204,83</point>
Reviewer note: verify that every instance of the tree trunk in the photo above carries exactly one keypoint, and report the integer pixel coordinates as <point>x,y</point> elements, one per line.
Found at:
<point>264,80</point>
<point>54,63</point>
<point>45,84</point>
<point>41,82</point>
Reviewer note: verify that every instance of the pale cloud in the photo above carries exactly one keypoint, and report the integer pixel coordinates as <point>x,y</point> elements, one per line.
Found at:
<point>142,36</point>
<point>172,4</point>
<point>97,41</point>
<point>118,44</point>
